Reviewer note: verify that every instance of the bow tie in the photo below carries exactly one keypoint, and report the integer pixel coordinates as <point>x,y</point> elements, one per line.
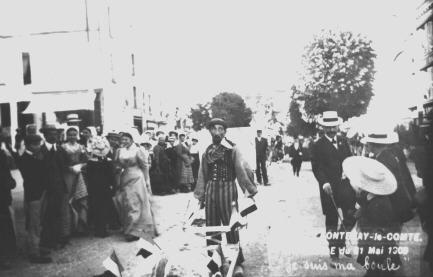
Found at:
<point>334,141</point>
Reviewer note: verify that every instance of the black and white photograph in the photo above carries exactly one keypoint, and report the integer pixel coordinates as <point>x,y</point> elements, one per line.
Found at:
<point>241,138</point>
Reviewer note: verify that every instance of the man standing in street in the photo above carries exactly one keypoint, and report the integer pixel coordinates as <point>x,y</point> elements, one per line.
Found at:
<point>295,153</point>
<point>328,154</point>
<point>261,154</point>
<point>221,165</point>
<point>55,199</point>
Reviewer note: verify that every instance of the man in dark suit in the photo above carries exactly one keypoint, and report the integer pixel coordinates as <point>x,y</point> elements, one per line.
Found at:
<point>382,147</point>
<point>55,199</point>
<point>295,153</point>
<point>328,154</point>
<point>261,154</point>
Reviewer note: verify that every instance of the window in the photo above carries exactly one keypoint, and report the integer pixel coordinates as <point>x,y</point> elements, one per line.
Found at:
<point>27,76</point>
<point>134,90</point>
<point>133,64</point>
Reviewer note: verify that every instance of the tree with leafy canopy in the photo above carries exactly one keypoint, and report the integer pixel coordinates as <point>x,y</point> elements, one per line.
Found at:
<point>229,106</point>
<point>339,72</point>
<point>232,108</point>
<point>297,125</point>
<point>200,116</point>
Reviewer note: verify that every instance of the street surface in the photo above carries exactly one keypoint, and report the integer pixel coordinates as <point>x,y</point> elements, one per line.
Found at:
<point>285,237</point>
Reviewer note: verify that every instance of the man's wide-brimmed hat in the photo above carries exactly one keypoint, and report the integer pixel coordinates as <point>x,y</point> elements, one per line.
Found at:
<point>99,146</point>
<point>49,127</point>
<point>216,121</point>
<point>330,119</point>
<point>369,175</point>
<point>381,138</point>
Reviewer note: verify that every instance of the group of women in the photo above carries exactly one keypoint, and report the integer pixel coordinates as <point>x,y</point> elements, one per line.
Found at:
<point>108,184</point>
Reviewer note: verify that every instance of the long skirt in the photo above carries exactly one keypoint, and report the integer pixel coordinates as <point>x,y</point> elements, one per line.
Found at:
<point>186,176</point>
<point>74,205</point>
<point>133,202</point>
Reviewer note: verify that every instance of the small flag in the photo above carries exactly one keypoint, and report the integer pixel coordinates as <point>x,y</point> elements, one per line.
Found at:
<point>214,264</point>
<point>144,244</point>
<point>144,253</point>
<point>113,264</point>
<point>235,219</point>
<point>151,254</point>
<point>247,206</point>
<point>146,248</point>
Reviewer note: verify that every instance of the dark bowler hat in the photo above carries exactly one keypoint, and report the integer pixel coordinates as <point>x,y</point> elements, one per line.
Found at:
<point>49,127</point>
<point>216,121</point>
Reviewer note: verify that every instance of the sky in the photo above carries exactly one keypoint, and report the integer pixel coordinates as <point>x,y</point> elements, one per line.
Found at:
<point>198,48</point>
<point>190,50</point>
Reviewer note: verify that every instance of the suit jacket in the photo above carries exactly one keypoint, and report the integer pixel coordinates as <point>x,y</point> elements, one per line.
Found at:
<point>296,154</point>
<point>32,170</point>
<point>326,163</point>
<point>261,148</point>
<point>244,175</point>
<point>55,167</point>
<point>402,198</point>
<point>7,183</point>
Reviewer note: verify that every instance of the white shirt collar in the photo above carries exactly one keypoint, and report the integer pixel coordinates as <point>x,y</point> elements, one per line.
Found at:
<point>226,144</point>
<point>50,146</point>
<point>259,138</point>
<point>330,139</point>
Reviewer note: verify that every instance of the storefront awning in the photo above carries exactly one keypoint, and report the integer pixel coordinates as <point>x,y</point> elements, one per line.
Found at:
<point>427,66</point>
<point>56,101</point>
<point>425,21</point>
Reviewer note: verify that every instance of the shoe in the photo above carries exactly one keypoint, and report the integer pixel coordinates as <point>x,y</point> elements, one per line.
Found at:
<point>334,261</point>
<point>131,238</point>
<point>105,274</point>
<point>239,271</point>
<point>225,268</point>
<point>40,259</point>
<point>267,184</point>
<point>102,234</point>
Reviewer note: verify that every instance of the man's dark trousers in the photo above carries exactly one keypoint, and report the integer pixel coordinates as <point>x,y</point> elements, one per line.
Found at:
<point>261,170</point>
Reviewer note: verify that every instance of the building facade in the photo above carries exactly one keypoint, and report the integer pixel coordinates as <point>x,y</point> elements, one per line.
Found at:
<point>425,25</point>
<point>70,57</point>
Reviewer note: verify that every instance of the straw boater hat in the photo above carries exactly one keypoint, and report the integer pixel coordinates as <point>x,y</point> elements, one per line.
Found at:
<point>216,121</point>
<point>99,146</point>
<point>381,138</point>
<point>369,175</point>
<point>73,117</point>
<point>330,119</point>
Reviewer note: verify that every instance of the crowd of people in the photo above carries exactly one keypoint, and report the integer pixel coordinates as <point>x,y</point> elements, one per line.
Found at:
<point>79,182</point>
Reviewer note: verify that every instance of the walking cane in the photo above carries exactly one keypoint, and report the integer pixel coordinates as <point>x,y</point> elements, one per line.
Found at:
<point>339,216</point>
<point>336,209</point>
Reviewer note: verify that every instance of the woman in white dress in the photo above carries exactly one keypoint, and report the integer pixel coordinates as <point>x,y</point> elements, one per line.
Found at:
<point>132,195</point>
